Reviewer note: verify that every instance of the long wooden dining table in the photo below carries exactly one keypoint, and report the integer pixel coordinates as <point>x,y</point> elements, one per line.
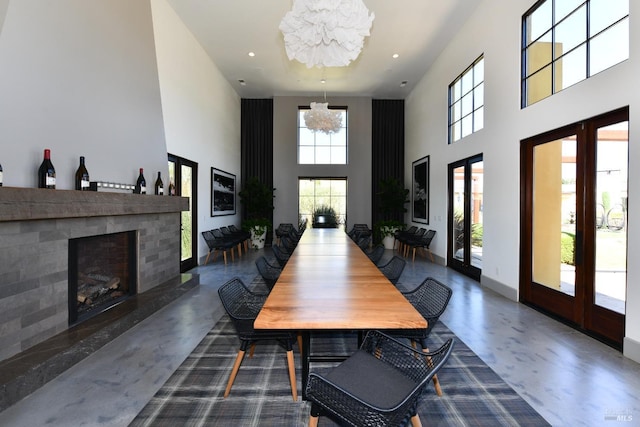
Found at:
<point>329,284</point>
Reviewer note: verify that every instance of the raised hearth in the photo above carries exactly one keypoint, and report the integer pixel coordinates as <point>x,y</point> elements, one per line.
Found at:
<point>29,370</point>
<point>36,226</point>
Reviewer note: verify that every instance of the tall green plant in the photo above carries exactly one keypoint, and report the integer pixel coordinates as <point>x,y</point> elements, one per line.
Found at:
<point>392,198</point>
<point>257,199</point>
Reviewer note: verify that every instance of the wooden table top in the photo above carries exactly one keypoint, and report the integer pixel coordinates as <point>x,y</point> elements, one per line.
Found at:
<point>330,283</point>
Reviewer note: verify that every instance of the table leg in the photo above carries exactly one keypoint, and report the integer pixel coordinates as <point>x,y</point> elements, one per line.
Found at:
<point>305,356</point>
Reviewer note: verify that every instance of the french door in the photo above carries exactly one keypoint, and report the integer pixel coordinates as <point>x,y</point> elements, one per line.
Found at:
<point>183,174</point>
<point>464,239</point>
<point>573,224</point>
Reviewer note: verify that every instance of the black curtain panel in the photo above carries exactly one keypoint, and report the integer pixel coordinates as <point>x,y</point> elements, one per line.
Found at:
<point>256,136</point>
<point>387,141</point>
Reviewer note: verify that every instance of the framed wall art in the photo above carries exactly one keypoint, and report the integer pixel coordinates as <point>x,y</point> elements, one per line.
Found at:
<point>223,193</point>
<point>420,191</point>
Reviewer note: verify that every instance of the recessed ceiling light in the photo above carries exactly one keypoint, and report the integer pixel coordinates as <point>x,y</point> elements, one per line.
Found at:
<point>395,55</point>
<point>242,82</point>
<point>252,54</point>
<point>323,81</point>
<point>403,83</point>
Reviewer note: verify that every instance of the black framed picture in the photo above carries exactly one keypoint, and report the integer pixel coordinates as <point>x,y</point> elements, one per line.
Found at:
<point>420,191</point>
<point>223,193</point>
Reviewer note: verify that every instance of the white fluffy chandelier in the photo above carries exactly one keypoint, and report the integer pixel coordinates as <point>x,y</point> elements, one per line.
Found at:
<point>325,33</point>
<point>320,118</point>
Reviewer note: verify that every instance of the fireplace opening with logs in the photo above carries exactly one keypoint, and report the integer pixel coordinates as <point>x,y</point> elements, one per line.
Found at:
<point>102,273</point>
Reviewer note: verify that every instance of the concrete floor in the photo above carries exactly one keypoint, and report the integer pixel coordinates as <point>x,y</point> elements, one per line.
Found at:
<point>569,378</point>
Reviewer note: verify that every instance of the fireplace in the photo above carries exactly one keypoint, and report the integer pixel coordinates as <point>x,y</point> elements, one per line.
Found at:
<point>102,273</point>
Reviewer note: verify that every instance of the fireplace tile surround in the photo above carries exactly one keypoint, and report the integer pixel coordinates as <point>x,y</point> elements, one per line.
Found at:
<point>35,228</point>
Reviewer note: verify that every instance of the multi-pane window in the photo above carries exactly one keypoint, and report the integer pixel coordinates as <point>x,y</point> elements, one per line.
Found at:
<point>466,102</point>
<point>319,148</point>
<point>314,193</point>
<point>567,41</point>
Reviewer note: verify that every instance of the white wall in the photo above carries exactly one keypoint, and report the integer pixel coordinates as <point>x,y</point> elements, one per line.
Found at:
<point>201,111</point>
<point>494,30</point>
<point>286,169</point>
<point>79,77</point>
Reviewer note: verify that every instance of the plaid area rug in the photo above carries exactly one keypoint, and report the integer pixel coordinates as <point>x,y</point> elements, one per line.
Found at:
<point>473,394</point>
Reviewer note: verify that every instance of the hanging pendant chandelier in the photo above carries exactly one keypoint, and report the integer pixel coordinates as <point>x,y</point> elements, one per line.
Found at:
<point>320,118</point>
<point>326,33</point>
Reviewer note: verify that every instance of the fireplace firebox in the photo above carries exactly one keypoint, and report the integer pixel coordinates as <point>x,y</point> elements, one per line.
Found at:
<point>102,273</point>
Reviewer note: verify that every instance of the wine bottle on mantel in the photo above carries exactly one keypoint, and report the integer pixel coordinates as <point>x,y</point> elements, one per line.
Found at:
<point>141,184</point>
<point>159,186</point>
<point>47,173</point>
<point>82,176</point>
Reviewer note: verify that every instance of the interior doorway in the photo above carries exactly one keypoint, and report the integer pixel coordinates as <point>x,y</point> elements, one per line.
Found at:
<point>465,222</point>
<point>183,177</point>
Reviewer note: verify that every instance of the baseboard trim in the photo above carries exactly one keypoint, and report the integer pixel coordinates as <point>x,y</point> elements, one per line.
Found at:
<point>631,349</point>
<point>499,287</point>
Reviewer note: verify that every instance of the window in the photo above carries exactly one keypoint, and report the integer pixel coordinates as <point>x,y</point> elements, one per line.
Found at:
<point>316,192</point>
<point>319,148</point>
<point>466,102</point>
<point>567,41</point>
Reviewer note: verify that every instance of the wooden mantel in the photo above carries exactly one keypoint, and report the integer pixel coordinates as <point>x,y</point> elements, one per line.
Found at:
<point>24,204</point>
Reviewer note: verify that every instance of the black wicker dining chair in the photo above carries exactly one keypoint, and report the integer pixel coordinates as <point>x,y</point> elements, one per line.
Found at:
<point>401,235</point>
<point>375,254</point>
<point>381,384</point>
<point>410,240</point>
<point>243,307</point>
<point>269,273</point>
<point>423,243</point>
<point>393,269</point>
<point>430,299</point>
<point>217,244</point>
<point>287,244</point>
<point>280,256</point>
<point>364,242</point>
<point>282,230</point>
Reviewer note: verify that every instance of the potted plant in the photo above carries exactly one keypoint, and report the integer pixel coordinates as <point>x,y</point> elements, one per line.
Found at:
<point>392,198</point>
<point>385,231</point>
<point>258,229</point>
<point>324,217</point>
<point>257,199</point>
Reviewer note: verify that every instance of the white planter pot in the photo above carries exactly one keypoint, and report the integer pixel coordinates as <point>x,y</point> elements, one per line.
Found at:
<point>388,242</point>
<point>257,241</point>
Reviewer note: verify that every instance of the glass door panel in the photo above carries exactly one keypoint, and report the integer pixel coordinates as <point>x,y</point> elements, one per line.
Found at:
<point>183,182</point>
<point>466,180</point>
<point>457,229</point>
<point>186,179</point>
<point>554,214</point>
<point>611,230</point>
<point>574,224</point>
<point>477,183</point>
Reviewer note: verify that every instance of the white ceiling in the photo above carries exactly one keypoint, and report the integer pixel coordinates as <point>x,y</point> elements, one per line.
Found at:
<point>417,30</point>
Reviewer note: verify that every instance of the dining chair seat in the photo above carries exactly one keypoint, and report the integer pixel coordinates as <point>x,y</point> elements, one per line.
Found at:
<point>381,384</point>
